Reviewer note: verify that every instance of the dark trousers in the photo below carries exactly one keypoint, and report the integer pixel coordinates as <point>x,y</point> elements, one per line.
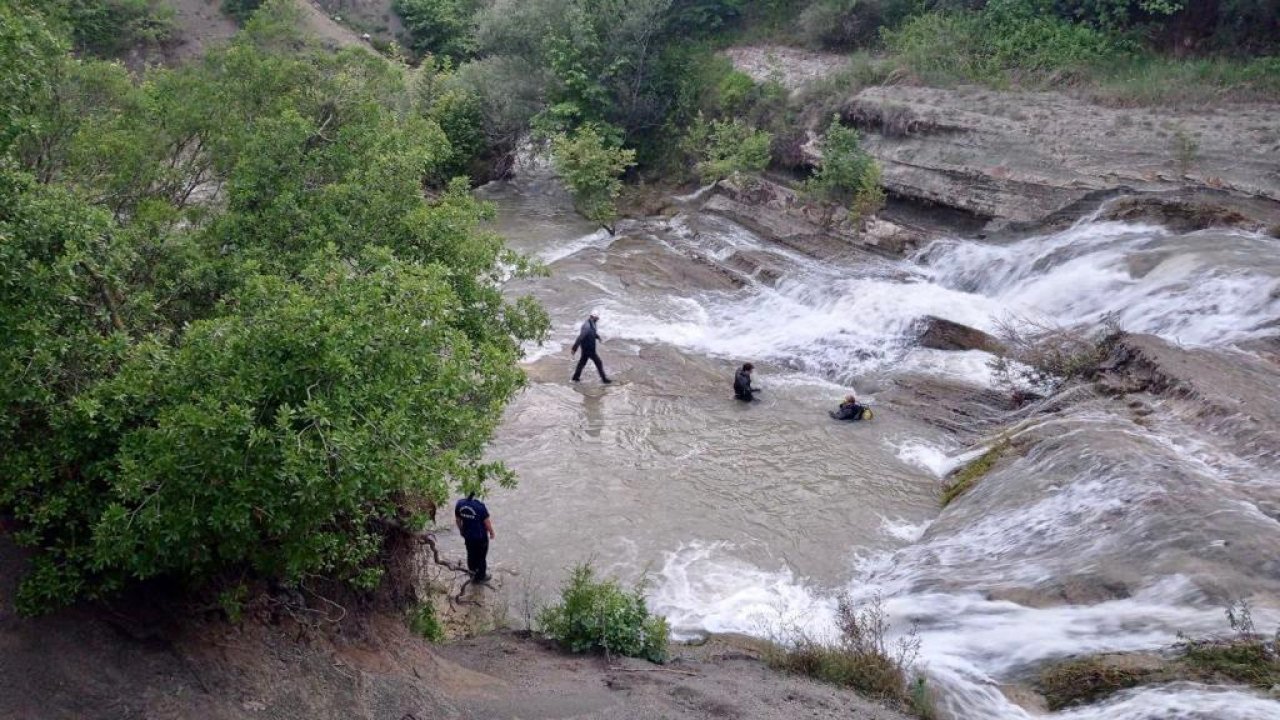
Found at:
<point>582,362</point>
<point>477,557</point>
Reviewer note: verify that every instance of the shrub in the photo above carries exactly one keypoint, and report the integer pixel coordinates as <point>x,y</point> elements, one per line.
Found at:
<point>727,147</point>
<point>1007,40</point>
<point>591,165</point>
<point>861,657</point>
<point>845,24</point>
<point>847,175</point>
<point>1039,357</point>
<point>599,615</point>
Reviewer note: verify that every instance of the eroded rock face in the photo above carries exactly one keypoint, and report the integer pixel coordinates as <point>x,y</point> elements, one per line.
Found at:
<point>778,213</point>
<point>1023,156</point>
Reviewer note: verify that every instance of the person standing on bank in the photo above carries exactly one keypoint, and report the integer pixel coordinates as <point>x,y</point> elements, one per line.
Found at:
<point>586,341</point>
<point>476,528</point>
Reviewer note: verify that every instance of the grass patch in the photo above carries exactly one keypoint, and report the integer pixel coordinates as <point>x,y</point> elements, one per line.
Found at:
<point>965,477</point>
<point>1087,680</point>
<point>1149,79</point>
<point>1246,658</point>
<point>861,658</point>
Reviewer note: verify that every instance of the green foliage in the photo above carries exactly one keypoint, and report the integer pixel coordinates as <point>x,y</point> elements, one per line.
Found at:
<point>591,166</point>
<point>423,621</point>
<point>264,384</point>
<point>727,147</point>
<point>109,28</point>
<point>1008,40</point>
<point>599,615</point>
<point>847,175</point>
<point>845,24</point>
<point>438,27</point>
<point>30,56</point>
<point>241,10</point>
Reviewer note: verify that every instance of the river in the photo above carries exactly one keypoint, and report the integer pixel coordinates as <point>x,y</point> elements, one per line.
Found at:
<point>746,518</point>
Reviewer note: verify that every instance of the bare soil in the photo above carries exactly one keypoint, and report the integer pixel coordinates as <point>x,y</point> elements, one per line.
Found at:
<point>143,660</point>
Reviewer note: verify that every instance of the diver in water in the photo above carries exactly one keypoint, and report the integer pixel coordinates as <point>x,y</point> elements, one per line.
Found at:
<point>849,410</point>
<point>587,338</point>
<point>742,388</point>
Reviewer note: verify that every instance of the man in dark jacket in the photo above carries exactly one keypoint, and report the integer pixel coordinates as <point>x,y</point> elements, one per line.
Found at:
<point>476,528</point>
<point>848,410</point>
<point>586,341</point>
<point>742,389</point>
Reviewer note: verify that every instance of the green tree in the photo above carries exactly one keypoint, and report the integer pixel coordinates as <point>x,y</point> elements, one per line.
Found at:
<point>238,340</point>
<point>591,166</point>
<point>438,27</point>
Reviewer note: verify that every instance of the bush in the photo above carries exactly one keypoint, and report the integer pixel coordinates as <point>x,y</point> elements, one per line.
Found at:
<point>1039,358</point>
<point>847,24</point>
<point>727,147</point>
<point>599,615</point>
<point>847,175</point>
<point>861,657</point>
<point>591,165</point>
<point>1008,40</point>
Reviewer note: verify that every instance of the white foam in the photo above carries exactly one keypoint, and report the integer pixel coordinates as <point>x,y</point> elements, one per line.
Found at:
<point>932,457</point>
<point>599,239</point>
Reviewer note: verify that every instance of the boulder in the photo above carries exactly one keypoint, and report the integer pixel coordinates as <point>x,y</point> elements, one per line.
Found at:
<point>942,334</point>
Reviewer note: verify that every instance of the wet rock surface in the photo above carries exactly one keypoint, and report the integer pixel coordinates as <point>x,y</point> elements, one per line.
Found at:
<point>942,334</point>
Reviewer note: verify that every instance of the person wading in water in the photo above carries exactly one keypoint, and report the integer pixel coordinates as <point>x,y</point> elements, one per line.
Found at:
<point>476,528</point>
<point>742,388</point>
<point>587,338</point>
<point>849,410</point>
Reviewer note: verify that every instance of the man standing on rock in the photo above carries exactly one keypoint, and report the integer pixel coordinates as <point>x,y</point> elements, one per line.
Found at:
<point>476,528</point>
<point>587,338</point>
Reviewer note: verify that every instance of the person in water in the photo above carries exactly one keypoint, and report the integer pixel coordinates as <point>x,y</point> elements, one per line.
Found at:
<point>742,388</point>
<point>849,409</point>
<point>586,341</point>
<point>476,528</point>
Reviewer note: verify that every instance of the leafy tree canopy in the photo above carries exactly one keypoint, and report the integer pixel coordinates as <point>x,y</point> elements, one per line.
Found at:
<point>238,338</point>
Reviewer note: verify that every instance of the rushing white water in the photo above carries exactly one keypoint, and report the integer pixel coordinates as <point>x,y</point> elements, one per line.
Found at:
<point>1091,503</point>
<point>1198,289</point>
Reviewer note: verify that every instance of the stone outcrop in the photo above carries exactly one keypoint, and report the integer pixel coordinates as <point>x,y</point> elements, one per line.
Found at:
<point>777,212</point>
<point>1023,157</point>
<point>942,334</point>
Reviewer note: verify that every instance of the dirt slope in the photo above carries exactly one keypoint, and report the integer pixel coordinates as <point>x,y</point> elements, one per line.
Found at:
<point>137,662</point>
